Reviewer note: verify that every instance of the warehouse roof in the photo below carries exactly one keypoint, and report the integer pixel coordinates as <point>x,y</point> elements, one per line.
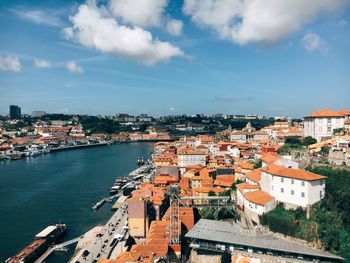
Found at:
<point>224,232</point>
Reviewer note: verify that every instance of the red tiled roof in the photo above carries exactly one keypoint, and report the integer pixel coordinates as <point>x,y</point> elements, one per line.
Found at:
<point>246,185</point>
<point>324,113</point>
<point>254,175</point>
<point>258,197</point>
<point>344,112</point>
<point>270,157</point>
<point>292,173</point>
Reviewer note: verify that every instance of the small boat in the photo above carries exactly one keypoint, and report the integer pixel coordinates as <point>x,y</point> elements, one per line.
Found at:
<point>140,161</point>
<point>114,190</point>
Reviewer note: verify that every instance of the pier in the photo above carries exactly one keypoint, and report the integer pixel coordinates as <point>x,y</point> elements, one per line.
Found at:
<point>57,247</point>
<point>99,204</point>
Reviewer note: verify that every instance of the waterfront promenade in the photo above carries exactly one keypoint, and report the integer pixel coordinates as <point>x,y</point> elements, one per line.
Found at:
<point>60,187</point>
<point>101,246</point>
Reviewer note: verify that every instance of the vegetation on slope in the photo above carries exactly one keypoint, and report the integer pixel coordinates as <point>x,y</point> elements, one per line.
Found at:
<point>330,218</point>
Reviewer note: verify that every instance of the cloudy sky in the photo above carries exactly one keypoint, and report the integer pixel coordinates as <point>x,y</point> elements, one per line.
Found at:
<point>165,57</point>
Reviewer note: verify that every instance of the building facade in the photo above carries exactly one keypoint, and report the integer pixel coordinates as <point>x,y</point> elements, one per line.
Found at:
<point>320,124</point>
<point>15,112</point>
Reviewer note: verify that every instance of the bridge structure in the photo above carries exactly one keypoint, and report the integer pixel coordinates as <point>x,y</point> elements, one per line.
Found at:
<point>67,243</point>
<point>58,247</point>
<point>206,201</point>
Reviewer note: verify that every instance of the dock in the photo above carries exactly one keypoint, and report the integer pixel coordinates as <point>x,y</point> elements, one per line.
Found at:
<point>71,147</point>
<point>58,247</point>
<point>118,204</point>
<point>99,204</point>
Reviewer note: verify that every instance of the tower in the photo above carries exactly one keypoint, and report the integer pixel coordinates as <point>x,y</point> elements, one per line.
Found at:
<point>174,226</point>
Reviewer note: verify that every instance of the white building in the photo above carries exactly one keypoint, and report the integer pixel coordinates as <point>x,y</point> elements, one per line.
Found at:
<point>320,124</point>
<point>293,187</point>
<point>253,201</point>
<point>188,157</point>
<point>272,184</point>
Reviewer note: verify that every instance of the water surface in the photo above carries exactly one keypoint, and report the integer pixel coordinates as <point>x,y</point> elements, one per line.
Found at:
<point>59,187</point>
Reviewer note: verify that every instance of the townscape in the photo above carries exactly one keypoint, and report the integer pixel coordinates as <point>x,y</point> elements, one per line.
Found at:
<point>175,131</point>
<point>207,196</point>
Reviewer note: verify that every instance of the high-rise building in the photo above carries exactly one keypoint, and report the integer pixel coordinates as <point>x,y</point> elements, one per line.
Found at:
<point>15,112</point>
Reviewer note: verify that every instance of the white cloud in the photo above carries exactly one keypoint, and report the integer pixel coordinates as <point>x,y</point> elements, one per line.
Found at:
<point>260,21</point>
<point>41,63</point>
<point>312,42</point>
<point>141,13</point>
<point>94,28</point>
<point>42,17</point>
<point>74,68</point>
<point>10,63</point>
<point>174,27</point>
<point>145,13</point>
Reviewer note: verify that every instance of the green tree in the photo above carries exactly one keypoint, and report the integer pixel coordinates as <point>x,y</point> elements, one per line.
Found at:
<point>308,141</point>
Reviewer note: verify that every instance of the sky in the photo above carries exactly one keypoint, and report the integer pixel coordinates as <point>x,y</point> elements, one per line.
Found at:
<point>170,57</point>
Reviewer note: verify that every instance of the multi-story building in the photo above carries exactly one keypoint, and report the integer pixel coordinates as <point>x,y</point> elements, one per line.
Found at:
<point>15,112</point>
<point>189,157</point>
<point>320,124</point>
<point>293,187</point>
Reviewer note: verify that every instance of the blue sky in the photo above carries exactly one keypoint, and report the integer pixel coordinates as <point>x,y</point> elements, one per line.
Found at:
<point>172,57</point>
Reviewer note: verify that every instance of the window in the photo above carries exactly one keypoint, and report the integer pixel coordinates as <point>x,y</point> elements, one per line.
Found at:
<point>282,190</point>
<point>329,121</point>
<point>302,194</point>
<point>321,194</point>
<point>292,181</point>
<point>282,179</point>
<point>302,183</point>
<point>256,207</point>
<point>292,192</point>
<point>329,129</point>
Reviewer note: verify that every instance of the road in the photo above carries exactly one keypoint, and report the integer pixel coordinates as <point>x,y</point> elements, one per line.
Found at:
<point>101,246</point>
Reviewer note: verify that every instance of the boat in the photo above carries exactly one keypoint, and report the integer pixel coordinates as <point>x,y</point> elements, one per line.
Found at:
<point>15,156</point>
<point>140,161</point>
<point>114,190</point>
<point>43,240</point>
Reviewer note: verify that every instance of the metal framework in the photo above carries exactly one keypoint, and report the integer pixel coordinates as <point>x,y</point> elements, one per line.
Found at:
<point>199,201</point>
<point>174,227</point>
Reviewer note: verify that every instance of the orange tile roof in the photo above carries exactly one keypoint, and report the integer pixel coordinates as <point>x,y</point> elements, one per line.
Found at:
<point>208,189</point>
<point>190,151</point>
<point>292,173</point>
<point>225,180</point>
<point>344,112</point>
<point>165,179</point>
<point>270,157</point>
<point>254,175</point>
<point>324,113</point>
<point>247,166</point>
<point>246,185</point>
<point>258,197</point>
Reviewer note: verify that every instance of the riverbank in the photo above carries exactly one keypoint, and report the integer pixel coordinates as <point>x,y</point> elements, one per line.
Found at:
<point>60,187</point>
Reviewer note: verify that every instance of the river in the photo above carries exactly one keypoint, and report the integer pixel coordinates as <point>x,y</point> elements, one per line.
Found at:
<point>60,187</point>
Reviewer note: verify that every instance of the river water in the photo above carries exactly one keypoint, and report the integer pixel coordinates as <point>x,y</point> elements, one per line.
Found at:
<point>60,187</point>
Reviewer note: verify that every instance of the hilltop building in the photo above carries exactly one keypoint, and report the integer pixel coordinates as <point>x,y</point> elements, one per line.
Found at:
<point>320,124</point>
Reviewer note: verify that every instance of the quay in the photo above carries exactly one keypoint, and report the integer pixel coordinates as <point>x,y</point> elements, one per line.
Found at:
<point>71,147</point>
<point>58,247</point>
<point>99,204</point>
